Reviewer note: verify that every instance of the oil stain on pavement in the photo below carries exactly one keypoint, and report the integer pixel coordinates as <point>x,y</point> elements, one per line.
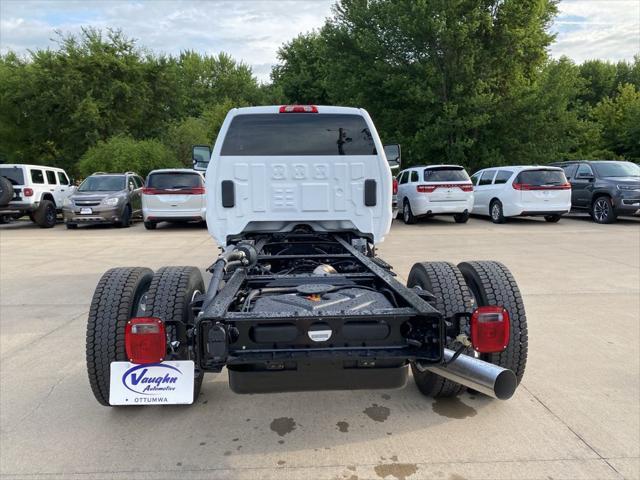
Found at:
<point>399,471</point>
<point>377,412</point>
<point>283,425</point>
<point>453,408</point>
<point>343,426</point>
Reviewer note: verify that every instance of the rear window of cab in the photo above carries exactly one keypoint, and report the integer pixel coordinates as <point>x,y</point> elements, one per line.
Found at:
<point>286,134</point>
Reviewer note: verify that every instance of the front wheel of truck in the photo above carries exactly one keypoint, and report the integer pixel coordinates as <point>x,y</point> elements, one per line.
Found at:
<point>169,298</point>
<point>452,296</point>
<point>116,300</point>
<point>492,283</point>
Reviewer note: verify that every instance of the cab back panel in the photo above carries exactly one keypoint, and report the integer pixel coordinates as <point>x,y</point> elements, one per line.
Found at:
<point>277,192</point>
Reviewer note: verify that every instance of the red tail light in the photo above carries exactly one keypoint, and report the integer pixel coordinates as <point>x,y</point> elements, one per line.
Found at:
<point>27,192</point>
<point>298,109</point>
<point>173,191</point>
<point>145,340</point>
<point>525,186</point>
<point>490,329</point>
<point>395,186</point>
<point>467,187</point>
<point>426,188</point>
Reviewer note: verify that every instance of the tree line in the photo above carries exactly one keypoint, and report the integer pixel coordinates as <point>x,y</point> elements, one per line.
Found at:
<point>469,82</point>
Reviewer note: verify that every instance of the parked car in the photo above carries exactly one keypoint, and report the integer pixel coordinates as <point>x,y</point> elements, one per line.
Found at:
<point>521,191</point>
<point>173,195</point>
<point>604,188</point>
<point>34,190</point>
<point>107,198</point>
<point>434,190</point>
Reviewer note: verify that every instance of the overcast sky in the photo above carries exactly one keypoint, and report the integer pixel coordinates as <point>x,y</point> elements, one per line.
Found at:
<point>252,30</point>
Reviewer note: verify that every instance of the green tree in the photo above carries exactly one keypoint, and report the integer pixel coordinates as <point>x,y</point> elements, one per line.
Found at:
<point>302,73</point>
<point>620,120</point>
<point>181,136</point>
<point>434,75</point>
<point>55,104</point>
<point>122,153</point>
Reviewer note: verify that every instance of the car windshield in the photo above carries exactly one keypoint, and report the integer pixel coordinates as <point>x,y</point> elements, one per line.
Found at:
<point>15,175</point>
<point>446,174</point>
<point>280,134</point>
<point>102,183</point>
<point>616,169</point>
<point>174,180</point>
<point>541,177</point>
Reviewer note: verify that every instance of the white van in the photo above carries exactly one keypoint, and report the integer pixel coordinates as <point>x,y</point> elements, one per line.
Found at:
<point>173,195</point>
<point>526,191</point>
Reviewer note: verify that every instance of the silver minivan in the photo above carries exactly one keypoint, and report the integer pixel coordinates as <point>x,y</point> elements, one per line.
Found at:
<point>173,195</point>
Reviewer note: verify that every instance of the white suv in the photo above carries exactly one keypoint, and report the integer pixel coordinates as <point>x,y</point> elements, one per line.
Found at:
<point>502,192</point>
<point>434,190</point>
<point>33,190</point>
<point>174,195</point>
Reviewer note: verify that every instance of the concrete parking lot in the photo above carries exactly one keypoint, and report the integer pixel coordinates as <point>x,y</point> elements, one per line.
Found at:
<point>576,415</point>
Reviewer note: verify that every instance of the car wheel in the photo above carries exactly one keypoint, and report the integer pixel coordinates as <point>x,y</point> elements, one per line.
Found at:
<point>5,219</point>
<point>461,217</point>
<point>71,226</point>
<point>497,215</point>
<point>170,294</point>
<point>552,218</point>
<point>491,283</point>
<point>45,215</point>
<point>125,221</point>
<point>407,214</point>
<point>602,210</point>
<point>452,296</point>
<point>150,225</point>
<point>115,301</point>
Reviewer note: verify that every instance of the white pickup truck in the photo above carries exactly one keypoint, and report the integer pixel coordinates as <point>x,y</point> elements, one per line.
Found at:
<point>297,198</point>
<point>34,190</point>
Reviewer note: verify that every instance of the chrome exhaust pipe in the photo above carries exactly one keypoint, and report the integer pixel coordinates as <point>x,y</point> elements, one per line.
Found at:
<point>485,377</point>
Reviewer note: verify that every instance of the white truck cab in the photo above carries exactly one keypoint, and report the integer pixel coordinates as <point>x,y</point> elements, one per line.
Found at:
<point>276,167</point>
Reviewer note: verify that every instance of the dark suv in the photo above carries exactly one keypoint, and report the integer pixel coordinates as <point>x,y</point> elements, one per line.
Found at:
<point>605,188</point>
<point>113,198</point>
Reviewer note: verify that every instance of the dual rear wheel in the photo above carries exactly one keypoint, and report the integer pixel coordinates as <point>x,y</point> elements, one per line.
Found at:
<point>463,288</point>
<point>123,293</point>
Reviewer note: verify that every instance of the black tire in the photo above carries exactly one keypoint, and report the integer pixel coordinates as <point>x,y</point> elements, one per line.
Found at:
<point>602,210</point>
<point>461,217</point>
<point>169,298</point>
<point>125,221</point>
<point>493,284</point>
<point>114,302</point>
<point>45,215</point>
<point>71,226</point>
<point>150,225</point>
<point>6,191</point>
<point>5,219</point>
<point>407,214</point>
<point>552,218</point>
<point>446,282</point>
<point>495,212</point>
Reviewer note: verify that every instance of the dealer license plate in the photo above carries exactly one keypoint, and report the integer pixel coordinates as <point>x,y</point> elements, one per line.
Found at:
<point>86,211</point>
<point>166,383</point>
